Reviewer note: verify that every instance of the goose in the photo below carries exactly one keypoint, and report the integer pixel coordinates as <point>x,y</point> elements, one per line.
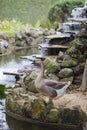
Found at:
<point>49,87</point>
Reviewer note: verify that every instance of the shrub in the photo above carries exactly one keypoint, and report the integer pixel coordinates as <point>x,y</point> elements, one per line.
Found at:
<point>62,9</point>
<point>10,27</point>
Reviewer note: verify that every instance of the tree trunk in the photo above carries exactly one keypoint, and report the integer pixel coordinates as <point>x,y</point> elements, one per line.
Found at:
<point>84,79</point>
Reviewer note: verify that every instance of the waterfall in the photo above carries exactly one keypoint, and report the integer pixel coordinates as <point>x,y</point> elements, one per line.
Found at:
<point>85,3</point>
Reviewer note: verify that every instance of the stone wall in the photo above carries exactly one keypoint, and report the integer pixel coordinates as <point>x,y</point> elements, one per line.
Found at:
<point>23,39</point>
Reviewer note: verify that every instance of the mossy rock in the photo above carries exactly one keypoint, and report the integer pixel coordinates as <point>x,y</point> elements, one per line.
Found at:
<point>30,84</point>
<point>72,116</point>
<point>13,105</point>
<point>52,116</point>
<point>73,50</point>
<point>27,109</point>
<point>69,63</point>
<point>51,67</point>
<point>38,109</point>
<point>17,107</point>
<point>9,99</point>
<point>67,79</point>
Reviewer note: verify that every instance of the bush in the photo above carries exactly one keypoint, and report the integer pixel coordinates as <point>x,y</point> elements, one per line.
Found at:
<point>62,10</point>
<point>10,27</point>
<point>46,23</point>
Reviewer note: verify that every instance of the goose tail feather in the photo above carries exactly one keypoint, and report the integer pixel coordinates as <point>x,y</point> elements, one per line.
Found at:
<point>61,92</point>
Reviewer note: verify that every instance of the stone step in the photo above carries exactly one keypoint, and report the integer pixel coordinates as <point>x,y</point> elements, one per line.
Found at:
<point>53,46</point>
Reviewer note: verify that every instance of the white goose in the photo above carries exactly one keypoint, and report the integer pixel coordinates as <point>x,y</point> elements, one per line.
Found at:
<point>52,88</point>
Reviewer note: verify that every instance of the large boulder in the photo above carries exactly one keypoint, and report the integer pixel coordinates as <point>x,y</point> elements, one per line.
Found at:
<point>51,66</point>
<point>66,72</point>
<point>3,36</point>
<point>69,63</point>
<point>3,46</point>
<point>52,116</point>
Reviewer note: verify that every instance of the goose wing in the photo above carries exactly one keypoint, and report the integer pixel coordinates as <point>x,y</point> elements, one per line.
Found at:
<point>54,84</point>
<point>51,92</point>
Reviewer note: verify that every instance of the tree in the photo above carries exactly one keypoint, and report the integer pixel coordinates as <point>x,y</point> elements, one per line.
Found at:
<point>84,80</point>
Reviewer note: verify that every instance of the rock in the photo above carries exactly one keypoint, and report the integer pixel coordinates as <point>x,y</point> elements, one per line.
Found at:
<point>3,46</point>
<point>66,72</point>
<point>38,109</point>
<point>78,79</point>
<point>54,77</point>
<point>82,33</point>
<point>73,51</point>
<point>23,35</point>
<point>30,84</point>
<point>82,58</point>
<point>21,43</point>
<point>66,57</point>
<point>28,40</point>
<point>52,116</point>
<point>27,109</point>
<point>33,33</point>
<point>67,79</point>
<point>39,40</point>
<point>46,32</point>
<point>71,116</point>
<point>13,105</point>
<point>51,66</point>
<point>70,109</point>
<point>18,36</point>
<point>60,56</point>
<point>3,36</point>
<point>12,41</point>
<point>78,69</point>
<point>69,63</point>
<point>52,32</point>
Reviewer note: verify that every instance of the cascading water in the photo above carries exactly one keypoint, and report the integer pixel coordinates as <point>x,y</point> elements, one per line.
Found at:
<point>85,3</point>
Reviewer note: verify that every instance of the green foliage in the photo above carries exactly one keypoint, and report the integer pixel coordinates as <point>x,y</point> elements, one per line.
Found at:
<point>62,9</point>
<point>69,63</point>
<point>10,27</point>
<point>25,10</point>
<point>2,91</point>
<point>51,67</point>
<point>44,23</point>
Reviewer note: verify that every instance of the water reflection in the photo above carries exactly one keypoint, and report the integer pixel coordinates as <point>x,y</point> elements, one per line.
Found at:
<point>12,63</point>
<point>16,55</point>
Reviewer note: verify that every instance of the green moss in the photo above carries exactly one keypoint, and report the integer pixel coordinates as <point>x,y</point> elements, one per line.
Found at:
<point>30,84</point>
<point>73,50</point>
<point>38,109</point>
<point>52,116</point>
<point>75,117</point>
<point>9,99</point>
<point>27,109</point>
<point>69,63</point>
<point>67,79</point>
<point>51,67</point>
